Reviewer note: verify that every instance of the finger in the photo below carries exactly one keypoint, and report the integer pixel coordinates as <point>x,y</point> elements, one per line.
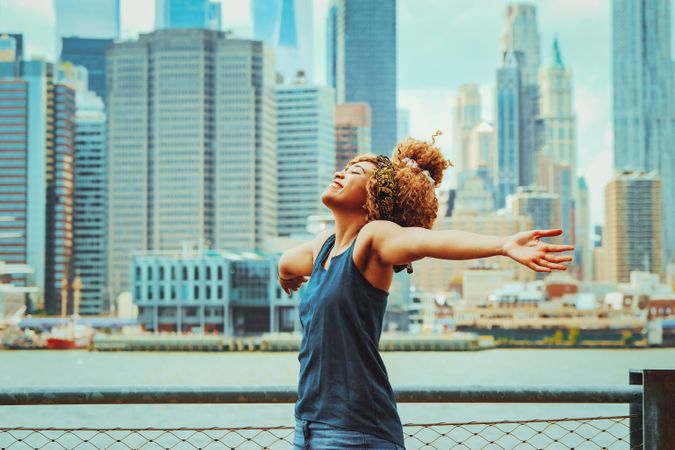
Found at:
<point>549,233</point>
<point>556,258</point>
<point>538,268</point>
<point>550,265</point>
<point>559,248</point>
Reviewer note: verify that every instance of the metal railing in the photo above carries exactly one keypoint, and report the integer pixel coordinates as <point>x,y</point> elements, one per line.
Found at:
<point>649,425</point>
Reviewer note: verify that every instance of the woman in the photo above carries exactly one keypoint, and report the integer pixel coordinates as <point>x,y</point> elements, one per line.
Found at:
<point>384,210</point>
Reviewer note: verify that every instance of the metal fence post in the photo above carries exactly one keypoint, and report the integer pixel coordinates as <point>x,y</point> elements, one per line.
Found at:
<point>635,411</point>
<point>658,404</point>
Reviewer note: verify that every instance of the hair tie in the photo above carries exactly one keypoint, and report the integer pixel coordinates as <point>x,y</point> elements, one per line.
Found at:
<point>412,163</point>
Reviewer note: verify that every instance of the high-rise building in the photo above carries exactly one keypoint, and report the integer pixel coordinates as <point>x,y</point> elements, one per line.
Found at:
<point>191,149</point>
<point>403,124</point>
<point>60,153</point>
<point>558,178</point>
<point>215,16</point>
<point>287,26</point>
<point>520,53</point>
<point>542,206</point>
<point>36,144</point>
<point>352,132</point>
<point>509,117</point>
<point>521,33</point>
<point>631,236</point>
<point>11,55</point>
<point>90,53</point>
<point>583,255</point>
<point>361,74</point>
<point>559,134</point>
<point>90,19</point>
<point>90,214</point>
<point>181,14</point>
<point>331,45</point>
<point>644,100</point>
<point>466,115</point>
<point>306,152</point>
<point>483,149</point>
<point>14,133</point>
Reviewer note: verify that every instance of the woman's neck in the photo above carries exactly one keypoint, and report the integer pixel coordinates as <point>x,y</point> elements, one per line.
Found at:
<point>347,226</point>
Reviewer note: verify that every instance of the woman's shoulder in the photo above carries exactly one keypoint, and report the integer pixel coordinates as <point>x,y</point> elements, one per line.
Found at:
<point>319,241</point>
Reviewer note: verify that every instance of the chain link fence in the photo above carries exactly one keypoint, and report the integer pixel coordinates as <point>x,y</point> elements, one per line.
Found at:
<point>611,432</point>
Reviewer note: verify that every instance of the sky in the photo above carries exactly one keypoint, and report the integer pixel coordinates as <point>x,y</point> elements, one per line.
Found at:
<point>441,45</point>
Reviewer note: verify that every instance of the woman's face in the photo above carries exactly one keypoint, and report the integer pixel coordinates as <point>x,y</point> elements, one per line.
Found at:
<point>348,188</point>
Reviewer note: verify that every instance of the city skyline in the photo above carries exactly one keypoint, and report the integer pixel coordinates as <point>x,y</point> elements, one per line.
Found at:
<point>583,29</point>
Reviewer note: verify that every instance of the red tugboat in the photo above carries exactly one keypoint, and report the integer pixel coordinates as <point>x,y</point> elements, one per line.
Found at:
<point>71,335</point>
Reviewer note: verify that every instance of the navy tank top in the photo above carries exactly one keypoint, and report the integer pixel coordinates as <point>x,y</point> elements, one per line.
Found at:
<point>343,381</point>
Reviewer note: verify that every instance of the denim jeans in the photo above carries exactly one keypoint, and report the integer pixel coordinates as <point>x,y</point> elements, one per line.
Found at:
<point>320,436</point>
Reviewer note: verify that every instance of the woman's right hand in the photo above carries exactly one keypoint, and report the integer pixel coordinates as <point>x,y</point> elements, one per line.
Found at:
<point>291,284</point>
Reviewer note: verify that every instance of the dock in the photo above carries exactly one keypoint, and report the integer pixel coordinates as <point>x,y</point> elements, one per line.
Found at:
<point>283,342</point>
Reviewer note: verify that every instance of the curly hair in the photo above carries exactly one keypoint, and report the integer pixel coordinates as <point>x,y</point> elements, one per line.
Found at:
<point>416,204</point>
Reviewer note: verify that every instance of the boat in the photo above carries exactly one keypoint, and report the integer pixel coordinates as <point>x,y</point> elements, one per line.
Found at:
<point>70,336</point>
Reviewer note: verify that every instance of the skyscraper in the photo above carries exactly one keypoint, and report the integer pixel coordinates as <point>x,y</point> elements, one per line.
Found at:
<point>352,132</point>
<point>331,45</point>
<point>306,152</point>
<point>556,110</point>
<point>557,149</point>
<point>287,26</point>
<point>90,53</point>
<point>631,237</point>
<point>89,19</point>
<point>583,255</point>
<point>644,100</point>
<point>364,75</point>
<point>509,118</point>
<point>466,115</point>
<point>215,16</point>
<point>521,33</point>
<point>558,178</point>
<point>483,149</point>
<point>90,213</point>
<point>36,144</point>
<point>181,14</point>
<point>192,147</point>
<point>521,38</point>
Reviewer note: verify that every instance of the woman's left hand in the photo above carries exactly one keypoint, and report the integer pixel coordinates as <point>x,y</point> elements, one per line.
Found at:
<point>291,284</point>
<point>527,249</point>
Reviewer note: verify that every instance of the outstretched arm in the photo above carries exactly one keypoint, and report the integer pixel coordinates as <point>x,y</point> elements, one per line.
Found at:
<point>396,245</point>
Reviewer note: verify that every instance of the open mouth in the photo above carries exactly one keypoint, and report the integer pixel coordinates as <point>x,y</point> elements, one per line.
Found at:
<point>336,184</point>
